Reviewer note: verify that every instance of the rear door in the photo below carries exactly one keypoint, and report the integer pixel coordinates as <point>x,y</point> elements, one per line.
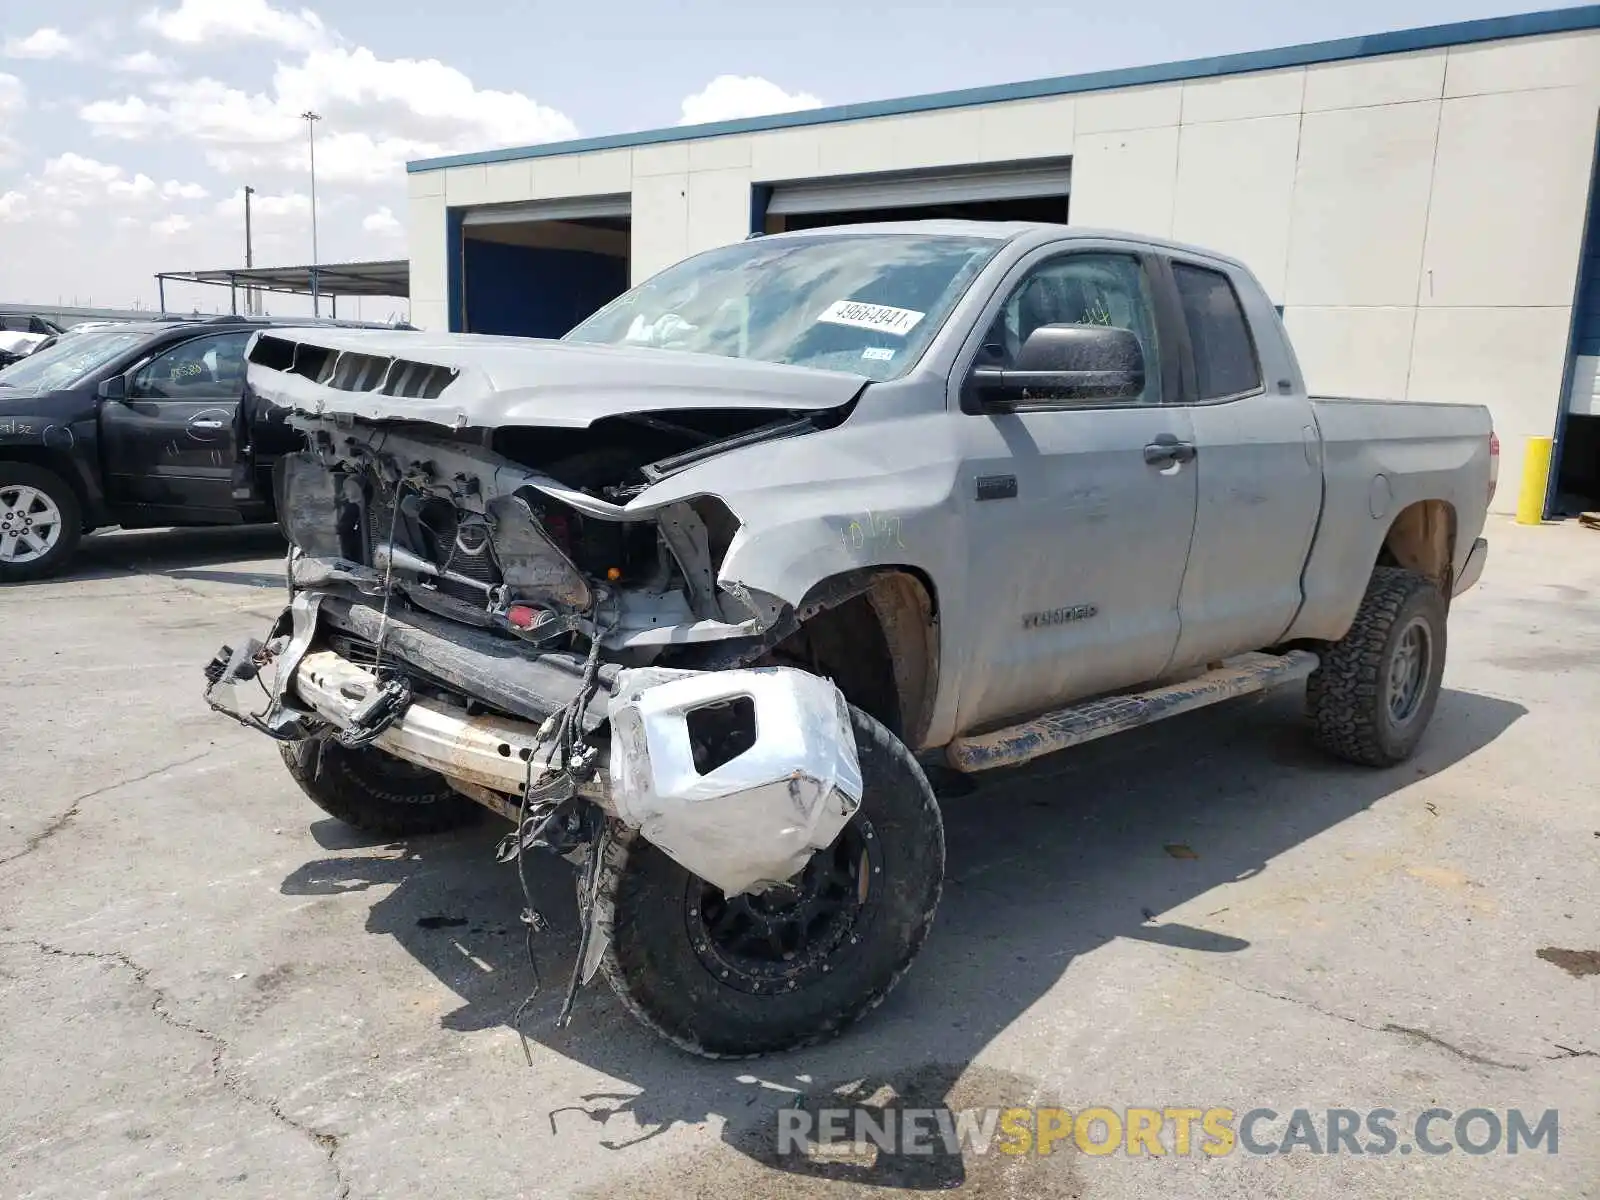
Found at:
<point>1259,466</point>
<point>1078,528</point>
<point>169,444</point>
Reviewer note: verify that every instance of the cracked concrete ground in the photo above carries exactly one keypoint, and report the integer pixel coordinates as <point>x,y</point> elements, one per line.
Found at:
<point>208,989</point>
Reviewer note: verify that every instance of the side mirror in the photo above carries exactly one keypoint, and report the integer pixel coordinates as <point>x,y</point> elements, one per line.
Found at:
<point>1065,362</point>
<point>115,388</point>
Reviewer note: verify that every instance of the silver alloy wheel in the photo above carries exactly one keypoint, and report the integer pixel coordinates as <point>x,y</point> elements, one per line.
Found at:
<point>1410,670</point>
<point>30,524</point>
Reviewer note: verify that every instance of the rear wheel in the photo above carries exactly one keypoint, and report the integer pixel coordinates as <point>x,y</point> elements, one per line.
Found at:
<point>374,791</point>
<point>1375,691</point>
<point>41,522</point>
<point>787,967</point>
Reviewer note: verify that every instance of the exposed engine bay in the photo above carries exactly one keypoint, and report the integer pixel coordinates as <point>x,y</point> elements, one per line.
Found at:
<point>463,530</point>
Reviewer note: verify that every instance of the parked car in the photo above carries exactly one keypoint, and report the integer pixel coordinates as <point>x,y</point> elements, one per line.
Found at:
<point>23,333</point>
<point>131,425</point>
<point>693,595</point>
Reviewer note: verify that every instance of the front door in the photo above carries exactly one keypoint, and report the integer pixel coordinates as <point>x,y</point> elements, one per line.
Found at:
<point>1078,524</point>
<point>169,444</point>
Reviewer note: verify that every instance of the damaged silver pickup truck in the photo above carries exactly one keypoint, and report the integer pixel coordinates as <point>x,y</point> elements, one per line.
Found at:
<point>693,595</point>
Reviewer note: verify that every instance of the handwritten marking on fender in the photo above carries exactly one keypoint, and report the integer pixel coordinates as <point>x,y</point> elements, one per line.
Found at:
<point>872,529</point>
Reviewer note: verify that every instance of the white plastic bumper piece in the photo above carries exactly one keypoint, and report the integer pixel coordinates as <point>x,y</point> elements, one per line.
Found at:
<point>757,818</point>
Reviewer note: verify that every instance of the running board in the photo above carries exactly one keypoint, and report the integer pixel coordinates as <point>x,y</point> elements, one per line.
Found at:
<point>1054,731</point>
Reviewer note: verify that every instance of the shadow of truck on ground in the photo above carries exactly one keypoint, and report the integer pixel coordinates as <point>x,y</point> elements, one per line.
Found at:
<point>1045,863</point>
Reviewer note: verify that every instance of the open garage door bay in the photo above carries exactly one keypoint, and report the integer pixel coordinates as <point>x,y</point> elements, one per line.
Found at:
<point>536,269</point>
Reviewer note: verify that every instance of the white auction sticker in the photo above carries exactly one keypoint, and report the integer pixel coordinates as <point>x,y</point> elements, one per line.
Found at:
<point>880,318</point>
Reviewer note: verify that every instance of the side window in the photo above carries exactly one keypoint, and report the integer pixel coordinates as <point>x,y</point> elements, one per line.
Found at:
<point>202,368</point>
<point>1079,289</point>
<point>1225,361</point>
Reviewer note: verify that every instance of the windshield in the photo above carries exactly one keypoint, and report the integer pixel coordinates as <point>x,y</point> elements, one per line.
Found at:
<point>68,361</point>
<point>868,304</point>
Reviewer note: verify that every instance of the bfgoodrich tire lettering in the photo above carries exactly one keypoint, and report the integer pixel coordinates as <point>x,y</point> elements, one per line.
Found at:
<point>663,971</point>
<point>1362,708</point>
<point>374,791</point>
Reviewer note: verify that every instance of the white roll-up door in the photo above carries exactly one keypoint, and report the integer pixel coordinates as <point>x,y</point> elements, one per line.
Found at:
<point>907,189</point>
<point>574,208</point>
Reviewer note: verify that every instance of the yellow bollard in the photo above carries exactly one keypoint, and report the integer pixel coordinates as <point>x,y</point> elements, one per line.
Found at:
<point>1535,477</point>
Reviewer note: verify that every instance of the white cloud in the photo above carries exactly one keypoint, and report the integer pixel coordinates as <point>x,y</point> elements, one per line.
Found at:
<point>199,22</point>
<point>729,97</point>
<point>71,169</point>
<point>169,227</point>
<point>142,62</point>
<point>288,204</point>
<point>13,99</point>
<point>383,222</point>
<point>43,44</point>
<point>174,190</point>
<point>377,114</point>
<point>73,183</point>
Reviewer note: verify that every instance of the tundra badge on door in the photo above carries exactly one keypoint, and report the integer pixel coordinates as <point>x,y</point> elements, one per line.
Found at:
<point>1059,616</point>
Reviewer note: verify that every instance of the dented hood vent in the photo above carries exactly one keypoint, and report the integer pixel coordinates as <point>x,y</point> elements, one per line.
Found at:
<point>473,380</point>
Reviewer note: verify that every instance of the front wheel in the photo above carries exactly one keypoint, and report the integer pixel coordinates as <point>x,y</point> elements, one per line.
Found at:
<point>784,968</point>
<point>41,522</point>
<point>1374,693</point>
<point>374,791</point>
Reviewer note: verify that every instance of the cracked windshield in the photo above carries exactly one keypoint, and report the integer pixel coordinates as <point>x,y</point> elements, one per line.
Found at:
<point>864,305</point>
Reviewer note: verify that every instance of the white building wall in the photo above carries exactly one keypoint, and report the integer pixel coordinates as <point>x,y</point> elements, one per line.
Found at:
<point>1418,215</point>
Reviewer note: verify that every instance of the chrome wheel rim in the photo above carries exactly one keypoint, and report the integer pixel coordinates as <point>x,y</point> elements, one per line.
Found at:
<point>30,524</point>
<point>1409,671</point>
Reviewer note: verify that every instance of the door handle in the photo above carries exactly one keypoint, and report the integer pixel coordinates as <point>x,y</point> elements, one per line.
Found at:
<point>1168,449</point>
<point>208,424</point>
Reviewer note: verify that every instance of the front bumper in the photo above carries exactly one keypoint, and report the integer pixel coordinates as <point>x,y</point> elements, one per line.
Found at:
<point>309,685</point>
<point>1472,569</point>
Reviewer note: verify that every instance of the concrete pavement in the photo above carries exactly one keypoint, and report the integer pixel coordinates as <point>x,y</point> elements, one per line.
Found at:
<point>209,989</point>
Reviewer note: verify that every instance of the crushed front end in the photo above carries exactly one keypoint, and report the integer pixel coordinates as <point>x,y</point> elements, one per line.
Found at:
<point>484,605</point>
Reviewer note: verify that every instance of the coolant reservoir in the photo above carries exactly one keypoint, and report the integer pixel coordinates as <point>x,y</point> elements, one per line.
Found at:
<point>739,776</point>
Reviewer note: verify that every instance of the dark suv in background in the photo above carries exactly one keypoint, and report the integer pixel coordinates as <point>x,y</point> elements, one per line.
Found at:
<point>138,425</point>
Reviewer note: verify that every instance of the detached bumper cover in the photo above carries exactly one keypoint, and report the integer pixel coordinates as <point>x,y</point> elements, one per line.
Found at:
<point>792,784</point>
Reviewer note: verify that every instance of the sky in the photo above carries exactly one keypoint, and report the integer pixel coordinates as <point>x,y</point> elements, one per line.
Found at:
<point>128,129</point>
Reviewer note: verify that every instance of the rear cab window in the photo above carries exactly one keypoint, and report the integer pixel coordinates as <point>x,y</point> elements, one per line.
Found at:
<point>1225,361</point>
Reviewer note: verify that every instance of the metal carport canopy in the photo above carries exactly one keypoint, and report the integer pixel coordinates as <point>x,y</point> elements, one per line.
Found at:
<point>905,189</point>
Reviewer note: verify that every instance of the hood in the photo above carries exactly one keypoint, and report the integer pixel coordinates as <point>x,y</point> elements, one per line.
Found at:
<point>468,380</point>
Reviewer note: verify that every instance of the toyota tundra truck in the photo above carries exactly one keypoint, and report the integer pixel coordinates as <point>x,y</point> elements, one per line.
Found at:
<point>699,595</point>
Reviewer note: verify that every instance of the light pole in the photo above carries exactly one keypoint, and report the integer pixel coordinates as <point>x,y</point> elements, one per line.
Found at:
<point>311,119</point>
<point>249,260</point>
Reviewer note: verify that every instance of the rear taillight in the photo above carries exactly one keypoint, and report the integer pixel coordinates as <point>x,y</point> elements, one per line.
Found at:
<point>1494,463</point>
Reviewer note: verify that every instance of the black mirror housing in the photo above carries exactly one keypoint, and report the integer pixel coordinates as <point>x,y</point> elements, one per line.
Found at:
<point>1065,362</point>
<point>115,388</point>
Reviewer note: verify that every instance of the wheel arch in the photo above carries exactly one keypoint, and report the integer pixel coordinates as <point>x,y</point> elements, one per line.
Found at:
<point>875,632</point>
<point>57,462</point>
<point>1422,538</point>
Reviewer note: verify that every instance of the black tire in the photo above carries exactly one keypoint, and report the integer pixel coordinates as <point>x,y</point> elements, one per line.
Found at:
<point>59,493</point>
<point>374,791</point>
<point>1356,715</point>
<point>653,964</point>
